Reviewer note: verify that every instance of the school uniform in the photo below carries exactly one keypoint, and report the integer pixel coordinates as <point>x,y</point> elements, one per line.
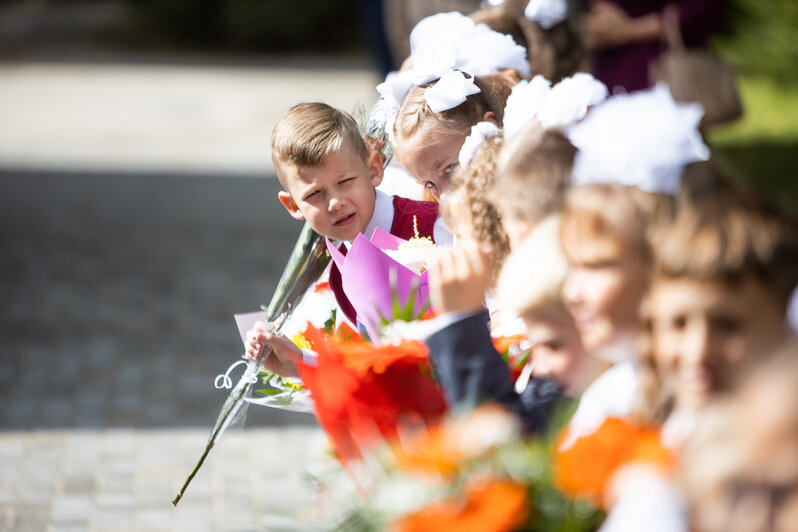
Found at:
<point>470,370</point>
<point>398,216</point>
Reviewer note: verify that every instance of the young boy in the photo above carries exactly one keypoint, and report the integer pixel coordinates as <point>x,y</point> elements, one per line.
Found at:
<point>724,271</point>
<point>329,179</point>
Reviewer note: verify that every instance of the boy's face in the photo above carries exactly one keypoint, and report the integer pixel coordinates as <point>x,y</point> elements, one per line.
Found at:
<point>703,331</point>
<point>431,158</point>
<point>337,197</point>
<point>557,351</point>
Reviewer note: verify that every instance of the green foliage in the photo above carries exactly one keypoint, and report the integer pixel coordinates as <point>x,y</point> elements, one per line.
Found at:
<point>759,150</point>
<point>763,38</point>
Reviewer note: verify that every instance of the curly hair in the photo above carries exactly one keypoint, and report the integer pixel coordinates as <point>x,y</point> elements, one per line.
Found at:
<point>470,183</point>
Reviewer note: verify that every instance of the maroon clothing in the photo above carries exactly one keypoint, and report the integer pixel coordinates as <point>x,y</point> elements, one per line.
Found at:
<point>404,212</point>
<point>627,66</point>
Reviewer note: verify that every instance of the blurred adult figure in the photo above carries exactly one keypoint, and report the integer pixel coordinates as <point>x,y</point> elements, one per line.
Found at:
<point>402,15</point>
<point>626,36</point>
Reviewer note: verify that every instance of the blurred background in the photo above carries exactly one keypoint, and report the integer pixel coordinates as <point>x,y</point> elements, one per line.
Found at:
<point>138,213</point>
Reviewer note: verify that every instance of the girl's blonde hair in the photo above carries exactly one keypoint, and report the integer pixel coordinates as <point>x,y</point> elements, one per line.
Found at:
<point>533,275</point>
<point>414,113</point>
<point>469,183</point>
<point>605,221</point>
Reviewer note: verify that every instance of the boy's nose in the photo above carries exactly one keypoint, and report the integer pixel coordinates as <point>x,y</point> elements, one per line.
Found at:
<point>336,202</point>
<point>700,342</point>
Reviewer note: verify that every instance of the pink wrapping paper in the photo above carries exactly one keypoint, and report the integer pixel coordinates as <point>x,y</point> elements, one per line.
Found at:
<point>366,278</point>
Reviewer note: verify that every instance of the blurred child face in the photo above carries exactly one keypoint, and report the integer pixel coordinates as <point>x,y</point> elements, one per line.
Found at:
<point>557,351</point>
<point>459,215</point>
<point>517,230</point>
<point>337,197</point>
<point>431,156</point>
<point>604,297</point>
<point>703,331</point>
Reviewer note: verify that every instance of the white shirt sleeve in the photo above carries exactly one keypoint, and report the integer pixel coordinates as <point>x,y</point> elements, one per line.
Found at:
<point>441,234</point>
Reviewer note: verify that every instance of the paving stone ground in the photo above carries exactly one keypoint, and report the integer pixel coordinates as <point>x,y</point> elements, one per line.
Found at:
<point>118,282</point>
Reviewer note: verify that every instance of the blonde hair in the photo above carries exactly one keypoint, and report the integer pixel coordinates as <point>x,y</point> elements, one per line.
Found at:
<point>533,275</point>
<point>309,133</point>
<point>610,220</point>
<point>533,175</point>
<point>469,183</point>
<point>414,113</point>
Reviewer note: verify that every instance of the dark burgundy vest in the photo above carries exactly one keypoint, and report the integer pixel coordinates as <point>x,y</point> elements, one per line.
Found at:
<point>425,213</point>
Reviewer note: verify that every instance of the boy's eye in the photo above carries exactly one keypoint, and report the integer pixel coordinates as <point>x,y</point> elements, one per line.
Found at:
<point>553,345</point>
<point>312,195</point>
<point>347,180</point>
<point>449,169</point>
<point>679,323</point>
<point>430,184</point>
<point>727,324</point>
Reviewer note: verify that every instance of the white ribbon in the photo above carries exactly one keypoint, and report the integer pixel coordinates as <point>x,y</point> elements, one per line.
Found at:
<point>251,375</point>
<point>564,104</point>
<point>444,47</point>
<point>642,139</point>
<point>451,90</point>
<point>479,132</point>
<point>547,13</point>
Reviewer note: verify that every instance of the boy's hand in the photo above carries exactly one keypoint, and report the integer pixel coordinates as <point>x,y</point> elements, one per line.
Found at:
<point>459,278</point>
<point>278,353</point>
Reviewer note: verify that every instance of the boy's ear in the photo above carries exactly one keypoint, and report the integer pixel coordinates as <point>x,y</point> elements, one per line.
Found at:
<point>490,116</point>
<point>290,205</point>
<point>374,164</point>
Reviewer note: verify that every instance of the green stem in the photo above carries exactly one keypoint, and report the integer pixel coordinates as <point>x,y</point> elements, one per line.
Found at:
<point>211,443</point>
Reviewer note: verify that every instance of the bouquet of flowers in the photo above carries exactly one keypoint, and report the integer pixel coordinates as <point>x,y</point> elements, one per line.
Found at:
<point>476,471</point>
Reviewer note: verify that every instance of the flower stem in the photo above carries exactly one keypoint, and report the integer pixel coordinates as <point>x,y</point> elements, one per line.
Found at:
<point>211,441</point>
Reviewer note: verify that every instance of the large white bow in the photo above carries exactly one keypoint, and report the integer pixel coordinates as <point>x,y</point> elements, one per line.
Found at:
<point>443,47</point>
<point>564,104</point>
<point>547,13</point>
<point>641,139</point>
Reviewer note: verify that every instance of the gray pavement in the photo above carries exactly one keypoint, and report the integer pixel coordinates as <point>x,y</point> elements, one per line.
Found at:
<point>130,232</point>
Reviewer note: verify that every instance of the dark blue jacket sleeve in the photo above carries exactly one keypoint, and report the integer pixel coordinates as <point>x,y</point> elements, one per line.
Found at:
<point>470,371</point>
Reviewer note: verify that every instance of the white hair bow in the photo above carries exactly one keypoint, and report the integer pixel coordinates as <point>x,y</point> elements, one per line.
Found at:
<point>563,104</point>
<point>479,132</point>
<point>547,13</point>
<point>443,47</point>
<point>641,139</point>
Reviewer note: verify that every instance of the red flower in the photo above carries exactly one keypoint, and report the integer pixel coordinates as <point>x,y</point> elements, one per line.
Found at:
<point>362,391</point>
<point>322,287</point>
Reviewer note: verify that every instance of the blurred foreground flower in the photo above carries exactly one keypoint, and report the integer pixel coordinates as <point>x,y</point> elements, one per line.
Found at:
<point>363,391</point>
<point>585,467</point>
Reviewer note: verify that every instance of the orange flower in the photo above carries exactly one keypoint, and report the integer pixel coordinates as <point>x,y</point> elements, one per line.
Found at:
<point>362,356</point>
<point>503,343</point>
<point>322,287</point>
<point>585,468</point>
<point>433,451</point>
<point>356,405</point>
<point>493,506</point>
